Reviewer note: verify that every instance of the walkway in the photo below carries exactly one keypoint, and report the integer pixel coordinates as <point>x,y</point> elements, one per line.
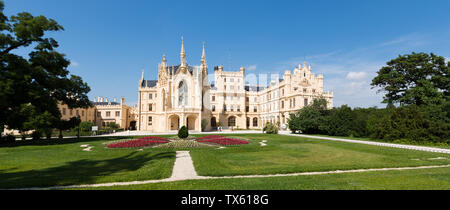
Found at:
<point>184,169</point>
<point>402,146</point>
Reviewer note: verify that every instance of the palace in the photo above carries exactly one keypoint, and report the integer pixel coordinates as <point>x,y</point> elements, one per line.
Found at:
<point>183,96</point>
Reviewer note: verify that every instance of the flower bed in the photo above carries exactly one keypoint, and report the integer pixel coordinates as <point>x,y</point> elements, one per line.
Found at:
<point>140,142</point>
<point>182,144</point>
<point>222,140</point>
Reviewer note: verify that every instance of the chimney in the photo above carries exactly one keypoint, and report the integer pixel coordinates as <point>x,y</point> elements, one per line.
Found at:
<point>122,101</point>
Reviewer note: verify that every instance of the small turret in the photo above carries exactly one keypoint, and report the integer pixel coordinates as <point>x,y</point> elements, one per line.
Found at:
<point>183,54</point>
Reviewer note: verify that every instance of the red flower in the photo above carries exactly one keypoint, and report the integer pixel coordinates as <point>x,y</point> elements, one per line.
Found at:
<point>222,140</point>
<point>140,142</point>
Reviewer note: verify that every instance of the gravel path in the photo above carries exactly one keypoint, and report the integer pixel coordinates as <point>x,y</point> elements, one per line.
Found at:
<point>402,146</point>
<point>184,167</point>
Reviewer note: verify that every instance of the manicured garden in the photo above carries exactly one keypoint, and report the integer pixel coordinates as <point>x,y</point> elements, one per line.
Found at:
<point>116,159</point>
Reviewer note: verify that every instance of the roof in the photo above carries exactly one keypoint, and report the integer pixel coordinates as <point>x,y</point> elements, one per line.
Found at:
<point>174,69</point>
<point>149,83</point>
<point>104,103</point>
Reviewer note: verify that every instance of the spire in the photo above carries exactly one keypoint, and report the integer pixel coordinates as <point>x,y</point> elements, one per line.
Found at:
<point>183,53</point>
<point>142,77</point>
<point>164,61</point>
<point>203,60</point>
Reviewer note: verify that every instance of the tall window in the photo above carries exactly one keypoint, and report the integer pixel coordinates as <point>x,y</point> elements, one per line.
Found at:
<point>255,122</point>
<point>306,102</point>
<point>150,107</point>
<point>117,113</point>
<point>213,98</point>
<point>182,94</point>
<point>108,114</point>
<point>231,121</point>
<point>150,96</point>
<point>150,120</point>
<point>213,108</point>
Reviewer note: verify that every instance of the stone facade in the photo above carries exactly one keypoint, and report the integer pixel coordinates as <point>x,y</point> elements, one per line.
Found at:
<point>183,96</point>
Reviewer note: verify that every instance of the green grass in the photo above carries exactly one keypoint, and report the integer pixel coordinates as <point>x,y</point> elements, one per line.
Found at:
<point>422,179</point>
<point>427,144</point>
<point>290,154</point>
<point>62,162</point>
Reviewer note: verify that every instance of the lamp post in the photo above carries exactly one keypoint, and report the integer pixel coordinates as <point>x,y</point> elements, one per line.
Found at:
<point>78,130</point>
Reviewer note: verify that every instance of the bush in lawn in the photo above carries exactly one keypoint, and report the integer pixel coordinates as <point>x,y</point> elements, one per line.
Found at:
<point>36,135</point>
<point>270,128</point>
<point>183,132</point>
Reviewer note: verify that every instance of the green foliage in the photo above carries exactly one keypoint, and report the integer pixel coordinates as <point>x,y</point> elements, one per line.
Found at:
<point>418,78</point>
<point>86,126</point>
<point>307,120</point>
<point>270,128</point>
<point>32,86</point>
<point>183,132</point>
<point>112,126</point>
<point>339,122</point>
<point>412,123</point>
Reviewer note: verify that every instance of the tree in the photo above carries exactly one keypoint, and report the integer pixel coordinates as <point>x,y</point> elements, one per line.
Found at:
<point>183,132</point>
<point>67,124</point>
<point>418,78</point>
<point>86,126</point>
<point>340,122</point>
<point>37,83</point>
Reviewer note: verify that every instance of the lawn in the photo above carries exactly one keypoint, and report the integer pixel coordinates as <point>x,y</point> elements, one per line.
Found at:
<point>62,162</point>
<point>423,179</point>
<point>289,154</point>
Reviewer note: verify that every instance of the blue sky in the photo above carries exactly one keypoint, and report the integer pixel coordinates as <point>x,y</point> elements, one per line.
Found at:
<point>110,42</point>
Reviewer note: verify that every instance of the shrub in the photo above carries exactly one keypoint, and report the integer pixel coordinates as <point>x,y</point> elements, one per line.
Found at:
<point>183,132</point>
<point>86,126</point>
<point>36,135</point>
<point>306,120</point>
<point>8,139</point>
<point>270,128</point>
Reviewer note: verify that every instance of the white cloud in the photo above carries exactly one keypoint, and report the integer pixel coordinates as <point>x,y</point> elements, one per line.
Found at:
<point>74,64</point>
<point>356,75</point>
<point>251,68</point>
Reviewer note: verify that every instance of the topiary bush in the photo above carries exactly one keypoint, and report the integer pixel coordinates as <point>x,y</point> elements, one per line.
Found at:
<point>183,132</point>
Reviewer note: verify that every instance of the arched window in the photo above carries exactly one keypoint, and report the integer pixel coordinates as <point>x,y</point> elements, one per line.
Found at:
<point>231,121</point>
<point>182,94</point>
<point>255,122</point>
